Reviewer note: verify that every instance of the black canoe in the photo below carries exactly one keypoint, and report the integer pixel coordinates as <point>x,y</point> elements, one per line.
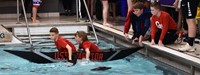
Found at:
<point>51,57</point>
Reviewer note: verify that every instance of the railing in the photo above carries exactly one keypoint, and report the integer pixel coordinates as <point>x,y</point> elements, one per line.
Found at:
<point>91,22</point>
<point>77,9</point>
<point>25,18</point>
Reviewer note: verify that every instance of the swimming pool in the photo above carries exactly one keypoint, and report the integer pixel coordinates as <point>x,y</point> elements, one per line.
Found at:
<point>135,64</point>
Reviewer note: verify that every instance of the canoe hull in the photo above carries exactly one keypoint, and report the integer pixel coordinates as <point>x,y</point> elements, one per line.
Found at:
<point>50,57</point>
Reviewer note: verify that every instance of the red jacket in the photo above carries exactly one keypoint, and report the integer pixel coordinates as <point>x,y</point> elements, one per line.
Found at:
<point>61,44</point>
<point>87,44</point>
<point>127,23</point>
<point>164,22</point>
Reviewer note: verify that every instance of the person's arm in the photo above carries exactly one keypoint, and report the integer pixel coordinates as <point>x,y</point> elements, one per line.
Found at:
<point>153,30</point>
<point>87,53</point>
<point>127,22</point>
<point>176,3</point>
<point>165,25</point>
<point>69,52</point>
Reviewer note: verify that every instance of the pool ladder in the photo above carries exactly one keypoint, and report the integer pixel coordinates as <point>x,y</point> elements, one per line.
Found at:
<point>27,25</point>
<point>91,22</point>
<point>25,18</point>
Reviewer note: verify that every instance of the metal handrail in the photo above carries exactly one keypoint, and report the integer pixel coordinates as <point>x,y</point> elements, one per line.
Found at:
<point>18,12</point>
<point>91,22</point>
<point>26,21</point>
<point>77,6</point>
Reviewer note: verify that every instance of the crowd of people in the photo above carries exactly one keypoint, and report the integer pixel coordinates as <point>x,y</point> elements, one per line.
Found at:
<point>164,30</point>
<point>148,22</point>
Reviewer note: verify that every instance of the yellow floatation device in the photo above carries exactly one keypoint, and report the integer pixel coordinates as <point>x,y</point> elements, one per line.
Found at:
<point>198,14</point>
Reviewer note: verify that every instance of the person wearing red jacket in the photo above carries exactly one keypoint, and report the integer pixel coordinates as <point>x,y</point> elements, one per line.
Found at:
<point>163,27</point>
<point>63,45</point>
<point>85,44</point>
<point>140,19</point>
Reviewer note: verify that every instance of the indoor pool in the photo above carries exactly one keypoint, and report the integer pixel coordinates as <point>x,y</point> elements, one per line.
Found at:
<point>135,64</point>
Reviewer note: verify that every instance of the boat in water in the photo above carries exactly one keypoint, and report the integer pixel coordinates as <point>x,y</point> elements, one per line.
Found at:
<point>52,57</point>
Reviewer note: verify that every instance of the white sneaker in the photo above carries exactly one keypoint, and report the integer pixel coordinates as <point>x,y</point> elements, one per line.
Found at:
<point>187,47</point>
<point>69,64</point>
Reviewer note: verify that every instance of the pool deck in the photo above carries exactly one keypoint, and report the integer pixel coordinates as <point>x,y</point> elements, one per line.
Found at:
<point>117,28</point>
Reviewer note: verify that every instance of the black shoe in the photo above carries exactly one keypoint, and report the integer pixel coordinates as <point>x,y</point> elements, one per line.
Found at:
<point>21,16</point>
<point>185,40</point>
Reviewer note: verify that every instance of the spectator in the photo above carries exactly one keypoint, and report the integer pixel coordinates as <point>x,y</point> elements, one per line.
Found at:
<point>163,27</point>
<point>67,4</point>
<point>140,19</point>
<point>105,13</point>
<point>189,10</point>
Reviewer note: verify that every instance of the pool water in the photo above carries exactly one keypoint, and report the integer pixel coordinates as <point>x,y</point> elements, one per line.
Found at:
<point>135,64</point>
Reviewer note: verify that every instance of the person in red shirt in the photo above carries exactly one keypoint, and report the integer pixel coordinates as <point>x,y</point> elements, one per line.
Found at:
<point>63,45</point>
<point>85,44</point>
<point>163,27</point>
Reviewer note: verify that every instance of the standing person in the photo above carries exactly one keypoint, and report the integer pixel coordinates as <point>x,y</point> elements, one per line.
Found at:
<point>130,4</point>
<point>105,13</point>
<point>189,10</point>
<point>140,19</point>
<point>114,5</point>
<point>67,4</point>
<point>85,44</point>
<point>63,45</point>
<point>26,5</point>
<point>90,5</point>
<point>163,27</point>
<point>36,5</point>
<point>182,25</point>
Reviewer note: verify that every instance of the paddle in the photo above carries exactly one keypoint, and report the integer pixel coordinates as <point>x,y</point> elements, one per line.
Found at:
<point>101,68</point>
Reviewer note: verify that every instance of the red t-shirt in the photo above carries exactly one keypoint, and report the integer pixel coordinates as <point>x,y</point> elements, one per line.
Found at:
<point>61,44</point>
<point>128,22</point>
<point>164,22</point>
<point>92,47</point>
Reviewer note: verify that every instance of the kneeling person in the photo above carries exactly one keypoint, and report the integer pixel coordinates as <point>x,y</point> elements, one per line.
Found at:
<point>140,19</point>
<point>163,27</point>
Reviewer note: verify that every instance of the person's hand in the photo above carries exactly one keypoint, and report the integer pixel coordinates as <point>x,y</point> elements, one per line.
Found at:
<point>140,41</point>
<point>126,36</point>
<point>133,42</point>
<point>85,61</point>
<point>152,42</point>
<point>160,43</point>
<point>175,4</point>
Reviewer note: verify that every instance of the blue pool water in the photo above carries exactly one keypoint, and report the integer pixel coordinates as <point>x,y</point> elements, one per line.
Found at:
<point>135,64</point>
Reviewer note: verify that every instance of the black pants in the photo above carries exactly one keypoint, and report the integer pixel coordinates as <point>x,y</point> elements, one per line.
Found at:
<point>67,4</point>
<point>27,4</point>
<point>189,8</point>
<point>169,38</point>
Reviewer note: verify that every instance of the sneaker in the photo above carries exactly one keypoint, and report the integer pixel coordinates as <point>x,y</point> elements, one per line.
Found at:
<point>187,47</point>
<point>69,64</point>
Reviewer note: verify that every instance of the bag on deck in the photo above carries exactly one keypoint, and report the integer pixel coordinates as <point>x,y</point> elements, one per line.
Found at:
<point>5,36</point>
